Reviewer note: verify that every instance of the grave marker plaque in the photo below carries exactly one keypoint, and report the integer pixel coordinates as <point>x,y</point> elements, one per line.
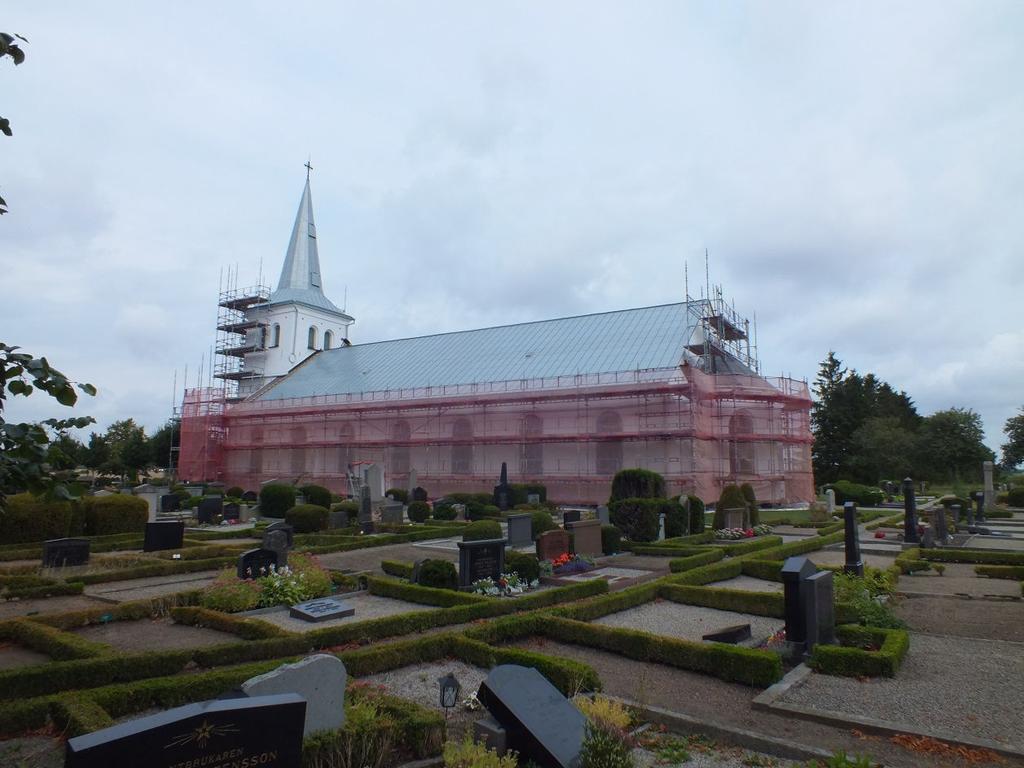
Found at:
<point>264,731</point>
<point>58,553</point>
<point>321,609</point>
<point>255,563</point>
<point>480,560</point>
<point>163,535</point>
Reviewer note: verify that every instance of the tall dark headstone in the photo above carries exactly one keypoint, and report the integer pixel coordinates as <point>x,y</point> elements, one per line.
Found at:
<point>263,731</point>
<point>480,560</point>
<point>909,512</point>
<point>540,723</point>
<point>232,511</point>
<point>209,507</point>
<point>854,563</point>
<point>365,510</point>
<point>163,535</point>
<point>979,500</point>
<point>794,571</point>
<point>250,497</point>
<point>502,491</point>
<point>816,593</point>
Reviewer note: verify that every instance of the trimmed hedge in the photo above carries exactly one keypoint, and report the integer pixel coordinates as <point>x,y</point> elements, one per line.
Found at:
<point>810,544</point>
<point>769,570</point>
<point>611,539</point>
<point>521,493</point>
<point>909,560</point>
<point>120,513</point>
<point>1000,571</point>
<point>437,574</point>
<point>695,561</point>
<point>863,495</point>
<point>276,499</point>
<point>983,556</point>
<point>481,530</point>
<point>637,484</point>
<point>421,595</point>
<point>750,545</point>
<point>397,568</point>
<point>419,511</point>
<point>308,518</point>
<point>637,518</point>
<point>76,714</point>
<point>697,509</point>
<point>731,497</point>
<point>58,645</point>
<point>398,494</point>
<point>727,569</point>
<point>28,518</point>
<point>316,495</point>
<point>246,628</point>
<point>739,601</point>
<point>541,521</point>
<point>419,493</point>
<point>851,659</point>
<point>523,563</point>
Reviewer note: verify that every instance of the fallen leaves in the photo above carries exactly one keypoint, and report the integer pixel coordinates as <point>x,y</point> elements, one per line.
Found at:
<point>926,745</point>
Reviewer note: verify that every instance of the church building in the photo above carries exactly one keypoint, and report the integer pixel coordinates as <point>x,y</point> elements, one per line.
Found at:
<point>565,402</point>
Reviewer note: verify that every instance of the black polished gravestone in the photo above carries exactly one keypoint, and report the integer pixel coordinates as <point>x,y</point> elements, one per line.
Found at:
<point>731,635</point>
<point>480,560</point>
<point>321,609</point>
<point>163,535</point>
<point>58,553</point>
<point>232,511</point>
<point>256,562</point>
<point>571,516</point>
<point>209,507</point>
<point>794,571</point>
<point>250,497</point>
<point>170,502</point>
<point>264,731</point>
<point>909,512</point>
<point>854,563</point>
<point>540,723</point>
<point>282,526</point>
<point>816,594</point>
<point>502,491</point>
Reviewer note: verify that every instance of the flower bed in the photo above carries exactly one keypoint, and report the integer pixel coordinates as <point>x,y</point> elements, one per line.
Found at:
<point>732,534</point>
<point>507,585</point>
<point>304,580</point>
<point>567,564</point>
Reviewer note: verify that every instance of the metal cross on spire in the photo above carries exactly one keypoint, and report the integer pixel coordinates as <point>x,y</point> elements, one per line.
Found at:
<point>308,167</point>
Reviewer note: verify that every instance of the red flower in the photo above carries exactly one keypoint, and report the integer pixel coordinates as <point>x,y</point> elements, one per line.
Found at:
<point>879,534</point>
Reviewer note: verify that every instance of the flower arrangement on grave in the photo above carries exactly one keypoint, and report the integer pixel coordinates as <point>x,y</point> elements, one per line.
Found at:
<point>304,580</point>
<point>732,534</point>
<point>566,563</point>
<point>506,585</point>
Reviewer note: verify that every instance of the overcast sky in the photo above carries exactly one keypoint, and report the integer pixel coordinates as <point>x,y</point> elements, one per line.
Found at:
<point>856,172</point>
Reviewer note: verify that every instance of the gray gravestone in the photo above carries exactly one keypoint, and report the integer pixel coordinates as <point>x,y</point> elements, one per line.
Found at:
<point>337,519</point>
<point>736,517</point>
<point>602,515</point>
<point>970,515</point>
<point>489,732</point>
<point>265,731</point>
<point>928,538</point>
<point>373,478</point>
<point>909,511</point>
<point>854,563</point>
<point>990,492</point>
<point>794,571</point>
<point>816,593</point>
<point>661,526</point>
<point>939,522</point>
<point>480,560</point>
<point>365,510</point>
<point>533,498</point>
<point>319,679</point>
<point>321,609</point>
<point>540,723</point>
<point>277,542</point>
<point>392,512</point>
<point>830,502</point>
<point>520,530</point>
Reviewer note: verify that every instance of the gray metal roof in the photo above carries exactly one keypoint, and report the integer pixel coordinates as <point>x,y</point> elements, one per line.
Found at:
<point>300,276</point>
<point>627,340</point>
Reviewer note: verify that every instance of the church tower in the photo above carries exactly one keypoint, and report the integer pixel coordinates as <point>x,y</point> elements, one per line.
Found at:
<point>275,331</point>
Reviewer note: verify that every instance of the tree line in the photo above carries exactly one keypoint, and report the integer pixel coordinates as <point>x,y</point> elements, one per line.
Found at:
<point>124,449</point>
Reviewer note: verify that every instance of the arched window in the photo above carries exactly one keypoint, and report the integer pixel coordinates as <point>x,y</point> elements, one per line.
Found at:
<point>311,338</point>
<point>609,452</point>
<point>328,339</point>
<point>275,337</point>
<point>531,462</point>
<point>462,455</point>
<point>400,434</point>
<point>741,453</point>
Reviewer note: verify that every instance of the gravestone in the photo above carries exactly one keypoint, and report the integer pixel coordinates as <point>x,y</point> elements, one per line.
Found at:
<point>250,497</point>
<point>417,566</point>
<point>794,571</point>
<point>151,495</point>
<point>209,507</point>
<point>58,553</point>
<point>830,502</point>
<point>603,516</point>
<point>570,516</point>
<point>373,478</point>
<point>552,544</point>
<point>194,490</point>
<point>979,500</point>
<point>731,635</point>
<point>661,526</point>
<point>928,538</point>
<point>480,560</point>
<point>520,530</point>
<point>392,512</point>
<point>540,723</point>
<point>365,510</point>
<point>321,609</point>
<point>232,511</point>
<point>320,679</point>
<point>460,511</point>
<point>489,732</point>
<point>337,519</point>
<point>970,515</point>
<point>277,542</point>
<point>816,593</point>
<point>163,535</point>
<point>854,563</point>
<point>502,491</point>
<point>265,731</point>
<point>533,498</point>
<point>254,563</point>
<point>586,537</point>
<point>419,494</point>
<point>411,484</point>
<point>987,468</point>
<point>170,502</point>
<point>735,517</point>
<point>909,512</point>
<point>939,522</point>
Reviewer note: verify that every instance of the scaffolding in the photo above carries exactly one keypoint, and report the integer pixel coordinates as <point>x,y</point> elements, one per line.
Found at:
<point>240,331</point>
<point>203,429</point>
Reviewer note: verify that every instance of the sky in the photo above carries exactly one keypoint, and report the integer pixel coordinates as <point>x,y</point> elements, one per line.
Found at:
<point>854,170</point>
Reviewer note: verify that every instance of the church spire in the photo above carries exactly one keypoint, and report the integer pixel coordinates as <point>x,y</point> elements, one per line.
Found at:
<point>300,275</point>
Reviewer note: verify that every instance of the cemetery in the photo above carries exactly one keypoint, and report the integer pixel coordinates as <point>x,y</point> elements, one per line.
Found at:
<point>390,640</point>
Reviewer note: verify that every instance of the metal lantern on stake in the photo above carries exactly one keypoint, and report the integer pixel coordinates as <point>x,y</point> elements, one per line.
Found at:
<point>449,692</point>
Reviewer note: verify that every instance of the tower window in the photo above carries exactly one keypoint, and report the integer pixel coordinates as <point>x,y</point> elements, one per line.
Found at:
<point>275,337</point>
<point>311,339</point>
<point>328,339</point>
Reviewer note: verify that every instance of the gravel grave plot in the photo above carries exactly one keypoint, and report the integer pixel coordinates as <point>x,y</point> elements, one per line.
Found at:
<point>649,563</point>
<point>961,685</point>
<point>367,607</point>
<point>958,579</point>
<point>32,752</point>
<point>14,656</point>
<point>996,542</point>
<point>719,756</point>
<point>689,622</point>
<point>748,584</point>
<point>10,609</point>
<point>989,619</point>
<point>153,635</point>
<point>418,683</point>
<point>369,559</point>
<point>838,557</point>
<point>152,586</point>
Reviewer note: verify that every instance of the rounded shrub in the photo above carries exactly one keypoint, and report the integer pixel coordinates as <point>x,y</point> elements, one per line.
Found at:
<point>419,511</point>
<point>542,521</point>
<point>863,495</point>
<point>31,518</point>
<point>316,494</point>
<point>398,494</point>
<point>611,539</point>
<point>1015,496</point>
<point>307,518</point>
<point>748,493</point>
<point>419,494</point>
<point>439,574</point>
<point>235,491</point>
<point>521,492</point>
<point>677,521</point>
<point>637,518</point>
<point>523,563</point>
<point>119,513</point>
<point>482,529</point>
<point>637,484</point>
<point>444,511</point>
<point>730,498</point>
<point>476,511</point>
<point>276,499</point>
<point>696,514</point>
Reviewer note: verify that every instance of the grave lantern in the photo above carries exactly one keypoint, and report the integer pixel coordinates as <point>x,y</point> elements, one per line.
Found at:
<point>449,692</point>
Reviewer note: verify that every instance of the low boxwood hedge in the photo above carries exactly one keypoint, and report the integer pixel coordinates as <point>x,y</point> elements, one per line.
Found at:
<point>1000,571</point>
<point>695,561</point>
<point>740,601</point>
<point>705,574</point>
<point>909,560</point>
<point>769,570</point>
<point>50,641</point>
<point>397,568</point>
<point>793,548</point>
<point>981,556</point>
<point>76,714</point>
<point>852,659</point>
<point>746,546</point>
<point>247,628</point>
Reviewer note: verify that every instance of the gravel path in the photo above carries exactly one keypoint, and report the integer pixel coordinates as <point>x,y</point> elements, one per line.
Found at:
<point>150,635</point>
<point>688,622</point>
<point>838,557</point>
<point>991,619</point>
<point>367,607</point>
<point>968,686</point>
<point>748,584</point>
<point>10,609</point>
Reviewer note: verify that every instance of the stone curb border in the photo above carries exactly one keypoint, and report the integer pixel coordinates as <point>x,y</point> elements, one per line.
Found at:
<point>686,724</point>
<point>768,701</point>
